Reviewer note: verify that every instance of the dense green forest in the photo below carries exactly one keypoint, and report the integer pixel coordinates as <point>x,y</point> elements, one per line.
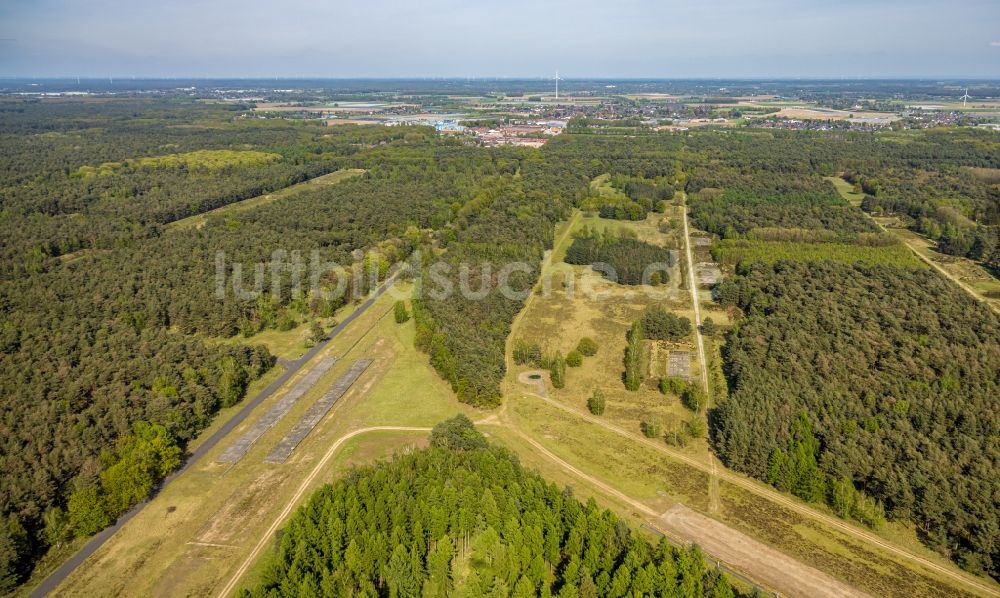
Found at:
<point>96,345</point>
<point>742,253</point>
<point>464,518</point>
<point>870,377</point>
<point>110,360</point>
<point>620,258</point>
<point>733,213</point>
<point>53,207</point>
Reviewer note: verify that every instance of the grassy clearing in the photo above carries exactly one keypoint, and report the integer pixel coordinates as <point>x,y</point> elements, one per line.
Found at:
<point>846,190</point>
<point>286,344</point>
<point>615,461</point>
<point>292,343</point>
<point>199,220</point>
<point>987,175</point>
<point>602,193</point>
<point>828,549</point>
<point>80,254</point>
<point>192,536</point>
<point>592,307</point>
<point>582,489</point>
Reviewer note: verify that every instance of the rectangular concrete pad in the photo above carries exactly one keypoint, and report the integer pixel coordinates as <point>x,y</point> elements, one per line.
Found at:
<point>237,449</point>
<point>301,429</point>
<point>761,562</point>
<point>708,273</point>
<point>679,365</point>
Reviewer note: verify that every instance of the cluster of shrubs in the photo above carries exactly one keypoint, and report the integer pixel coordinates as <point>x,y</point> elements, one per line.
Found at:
<point>691,429</point>
<point>526,353</point>
<point>596,402</point>
<point>692,395</point>
<point>661,325</point>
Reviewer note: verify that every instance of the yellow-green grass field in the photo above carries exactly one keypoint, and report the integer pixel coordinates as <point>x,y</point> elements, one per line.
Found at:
<point>558,317</point>
<point>286,344</point>
<point>208,160</point>
<point>846,190</point>
<point>292,343</point>
<point>199,220</point>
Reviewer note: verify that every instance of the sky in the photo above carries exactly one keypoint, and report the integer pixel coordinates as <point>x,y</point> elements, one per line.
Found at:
<point>509,38</point>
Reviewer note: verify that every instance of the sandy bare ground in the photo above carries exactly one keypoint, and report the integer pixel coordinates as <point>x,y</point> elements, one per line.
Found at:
<point>768,566</point>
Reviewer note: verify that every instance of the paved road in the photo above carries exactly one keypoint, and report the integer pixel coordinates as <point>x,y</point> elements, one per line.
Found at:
<point>293,366</point>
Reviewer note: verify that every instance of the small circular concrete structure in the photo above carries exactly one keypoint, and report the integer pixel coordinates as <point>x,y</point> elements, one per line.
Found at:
<point>535,379</point>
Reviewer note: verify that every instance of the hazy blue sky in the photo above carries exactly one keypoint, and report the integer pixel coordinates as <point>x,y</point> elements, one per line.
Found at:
<point>624,38</point>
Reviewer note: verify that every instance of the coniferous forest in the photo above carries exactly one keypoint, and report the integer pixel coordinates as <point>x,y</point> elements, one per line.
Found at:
<point>463,518</point>
<point>892,391</point>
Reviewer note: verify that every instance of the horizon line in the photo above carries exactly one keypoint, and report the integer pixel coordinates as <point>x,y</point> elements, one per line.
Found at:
<point>940,78</point>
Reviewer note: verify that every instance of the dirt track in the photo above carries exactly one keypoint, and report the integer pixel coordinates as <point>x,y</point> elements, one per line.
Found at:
<point>768,566</point>
<point>722,543</point>
<point>713,479</point>
<point>776,497</point>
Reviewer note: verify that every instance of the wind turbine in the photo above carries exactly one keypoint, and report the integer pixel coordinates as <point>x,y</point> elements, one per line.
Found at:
<point>557,79</point>
<point>966,97</point>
